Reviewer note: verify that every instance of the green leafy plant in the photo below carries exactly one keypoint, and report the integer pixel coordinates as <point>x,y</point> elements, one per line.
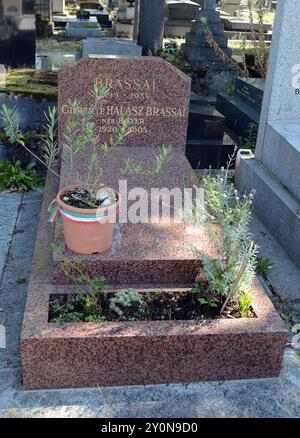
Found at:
<point>92,294</point>
<point>50,142</point>
<point>163,156</point>
<point>231,90</point>
<point>245,303</point>
<point>124,299</point>
<point>80,133</point>
<point>175,56</point>
<point>264,267</point>
<point>130,167</point>
<point>198,292</point>
<point>11,126</point>
<point>250,141</point>
<point>230,274</point>
<point>13,176</point>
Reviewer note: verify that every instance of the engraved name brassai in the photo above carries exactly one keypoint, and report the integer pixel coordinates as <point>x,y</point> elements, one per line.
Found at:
<point>126,84</point>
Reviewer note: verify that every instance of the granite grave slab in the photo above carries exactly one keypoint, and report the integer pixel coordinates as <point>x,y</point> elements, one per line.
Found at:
<point>83,28</point>
<point>145,256</point>
<point>77,355</point>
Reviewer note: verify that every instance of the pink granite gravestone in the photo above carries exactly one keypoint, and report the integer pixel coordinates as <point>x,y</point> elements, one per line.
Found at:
<point>152,93</point>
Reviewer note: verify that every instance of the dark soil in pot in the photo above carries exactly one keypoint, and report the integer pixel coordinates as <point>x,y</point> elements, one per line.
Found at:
<point>83,198</point>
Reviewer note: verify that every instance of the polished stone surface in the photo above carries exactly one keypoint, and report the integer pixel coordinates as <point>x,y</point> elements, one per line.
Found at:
<point>145,252</point>
<point>148,90</point>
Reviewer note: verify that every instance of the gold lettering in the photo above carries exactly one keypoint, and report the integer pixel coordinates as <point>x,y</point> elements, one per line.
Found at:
<point>65,109</point>
<point>126,84</point>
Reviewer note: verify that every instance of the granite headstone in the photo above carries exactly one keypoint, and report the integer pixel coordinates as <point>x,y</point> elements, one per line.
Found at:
<point>152,93</point>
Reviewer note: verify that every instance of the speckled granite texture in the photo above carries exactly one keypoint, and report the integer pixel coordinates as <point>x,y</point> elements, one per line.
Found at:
<point>148,90</point>
<point>160,252</point>
<point>108,354</point>
<point>123,353</point>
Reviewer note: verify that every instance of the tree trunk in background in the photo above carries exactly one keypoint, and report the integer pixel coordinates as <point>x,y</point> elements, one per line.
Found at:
<point>151,25</point>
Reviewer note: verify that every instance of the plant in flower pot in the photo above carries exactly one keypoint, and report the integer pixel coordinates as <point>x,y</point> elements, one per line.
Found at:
<point>87,207</point>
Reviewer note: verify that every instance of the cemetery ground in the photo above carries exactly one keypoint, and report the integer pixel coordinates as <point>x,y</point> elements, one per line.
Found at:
<point>278,397</point>
<point>30,82</point>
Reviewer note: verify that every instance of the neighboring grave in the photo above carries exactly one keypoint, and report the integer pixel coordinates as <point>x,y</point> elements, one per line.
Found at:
<point>230,6</point>
<point>59,6</point>
<point>151,25</point>
<point>182,9</point>
<point>240,24</point>
<point>196,46</point>
<point>243,107</point>
<point>275,171</point>
<point>205,146</point>
<point>83,28</point>
<point>17,34</point>
<point>93,4</point>
<point>180,16</point>
<point>214,74</point>
<point>101,15</point>
<point>124,24</point>
<point>110,46</point>
<point>148,90</point>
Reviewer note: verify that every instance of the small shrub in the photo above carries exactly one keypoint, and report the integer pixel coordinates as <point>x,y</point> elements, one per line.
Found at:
<point>264,267</point>
<point>231,90</point>
<point>250,141</point>
<point>13,176</point>
<point>245,303</point>
<point>175,56</point>
<point>124,299</point>
<point>230,274</point>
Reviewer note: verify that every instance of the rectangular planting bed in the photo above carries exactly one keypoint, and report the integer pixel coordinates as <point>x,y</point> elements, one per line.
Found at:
<point>132,353</point>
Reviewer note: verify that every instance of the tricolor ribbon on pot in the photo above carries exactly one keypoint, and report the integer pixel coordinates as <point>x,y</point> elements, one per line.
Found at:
<point>55,210</point>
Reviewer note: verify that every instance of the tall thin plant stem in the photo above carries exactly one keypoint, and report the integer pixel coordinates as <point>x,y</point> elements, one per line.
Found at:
<point>238,277</point>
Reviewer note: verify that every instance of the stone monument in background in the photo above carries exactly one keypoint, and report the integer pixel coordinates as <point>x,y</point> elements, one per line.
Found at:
<point>196,47</point>
<point>202,57</point>
<point>275,171</point>
<point>151,25</point>
<point>180,15</point>
<point>17,33</point>
<point>230,6</point>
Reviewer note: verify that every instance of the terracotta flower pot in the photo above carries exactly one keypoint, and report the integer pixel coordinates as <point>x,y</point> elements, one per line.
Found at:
<point>87,231</point>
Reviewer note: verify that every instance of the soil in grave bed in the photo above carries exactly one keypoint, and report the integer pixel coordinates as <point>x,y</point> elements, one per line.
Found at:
<point>154,306</point>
